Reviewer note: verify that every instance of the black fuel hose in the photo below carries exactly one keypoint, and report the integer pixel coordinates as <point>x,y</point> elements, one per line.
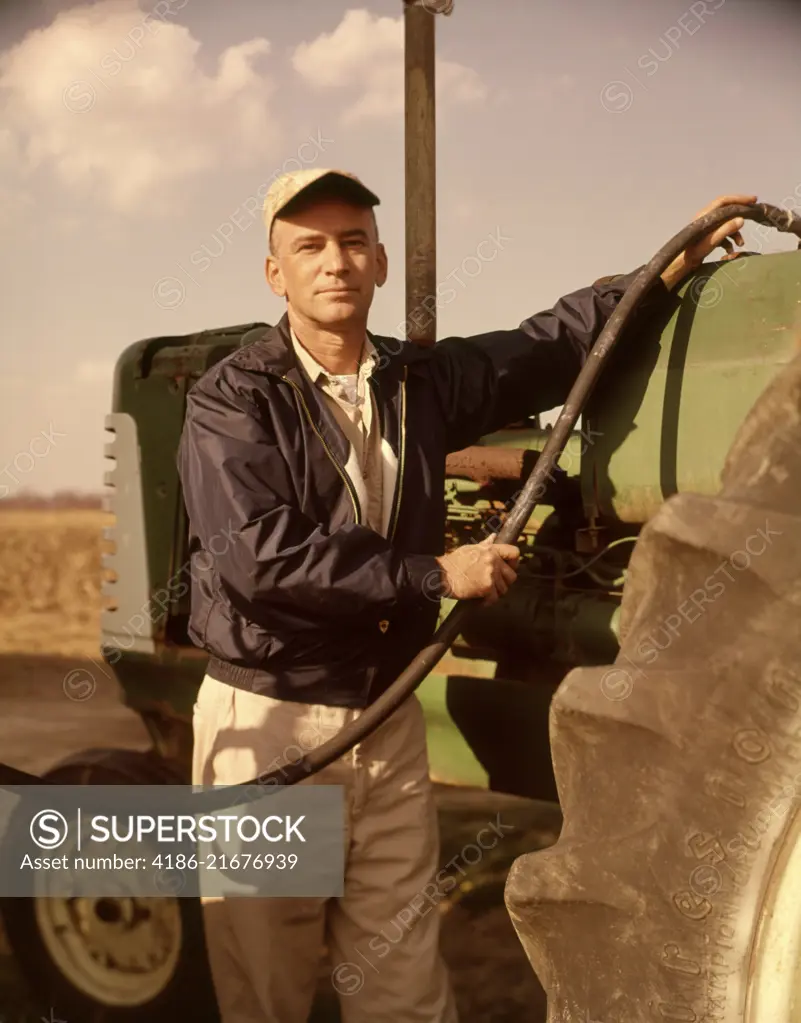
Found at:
<point>406,683</point>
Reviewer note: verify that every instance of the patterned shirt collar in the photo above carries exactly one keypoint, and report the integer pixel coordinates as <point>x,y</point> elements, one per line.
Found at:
<point>315,371</point>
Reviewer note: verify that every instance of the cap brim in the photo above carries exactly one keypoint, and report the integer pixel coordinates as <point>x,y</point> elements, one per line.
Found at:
<point>331,184</point>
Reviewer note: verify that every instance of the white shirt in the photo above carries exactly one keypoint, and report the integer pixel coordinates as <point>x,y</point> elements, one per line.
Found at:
<point>372,466</point>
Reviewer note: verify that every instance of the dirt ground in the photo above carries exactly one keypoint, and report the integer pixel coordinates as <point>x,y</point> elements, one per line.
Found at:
<point>49,629</point>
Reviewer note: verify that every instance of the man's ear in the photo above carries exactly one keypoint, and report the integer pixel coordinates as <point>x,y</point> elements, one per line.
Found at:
<point>383,265</point>
<point>274,277</point>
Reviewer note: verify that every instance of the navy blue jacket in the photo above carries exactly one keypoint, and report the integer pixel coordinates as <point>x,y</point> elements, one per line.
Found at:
<point>292,594</point>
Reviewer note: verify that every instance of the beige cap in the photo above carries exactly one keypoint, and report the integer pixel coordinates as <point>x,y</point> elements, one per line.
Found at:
<point>289,186</point>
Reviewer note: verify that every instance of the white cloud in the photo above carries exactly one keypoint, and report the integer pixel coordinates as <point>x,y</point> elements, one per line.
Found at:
<point>365,54</point>
<point>113,100</point>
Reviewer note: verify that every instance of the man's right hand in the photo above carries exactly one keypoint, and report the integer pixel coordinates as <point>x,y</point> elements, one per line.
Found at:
<point>485,569</point>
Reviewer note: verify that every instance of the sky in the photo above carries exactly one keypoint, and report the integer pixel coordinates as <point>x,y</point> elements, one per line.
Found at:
<point>575,137</point>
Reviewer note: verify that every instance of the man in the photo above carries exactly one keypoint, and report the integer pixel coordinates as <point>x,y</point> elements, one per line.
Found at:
<point>319,451</point>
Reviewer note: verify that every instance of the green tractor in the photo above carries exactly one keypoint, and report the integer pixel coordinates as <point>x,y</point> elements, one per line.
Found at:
<point>653,619</point>
<point>643,671</point>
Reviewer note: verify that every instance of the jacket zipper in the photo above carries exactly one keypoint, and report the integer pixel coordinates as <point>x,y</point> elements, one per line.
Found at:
<point>345,478</point>
<point>401,458</point>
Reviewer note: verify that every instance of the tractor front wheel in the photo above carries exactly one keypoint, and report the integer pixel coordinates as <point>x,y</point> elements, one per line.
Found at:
<point>119,959</point>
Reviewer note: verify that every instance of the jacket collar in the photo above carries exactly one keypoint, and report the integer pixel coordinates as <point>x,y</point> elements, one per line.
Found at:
<point>315,371</point>
<point>274,353</point>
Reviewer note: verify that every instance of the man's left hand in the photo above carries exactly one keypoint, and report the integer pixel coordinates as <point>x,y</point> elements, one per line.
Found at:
<point>728,232</point>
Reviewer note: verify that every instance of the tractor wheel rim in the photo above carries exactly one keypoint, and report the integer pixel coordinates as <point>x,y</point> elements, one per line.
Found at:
<point>119,951</point>
<point>774,990</point>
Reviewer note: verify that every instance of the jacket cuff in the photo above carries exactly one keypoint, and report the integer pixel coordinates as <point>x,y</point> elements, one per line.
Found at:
<point>426,579</point>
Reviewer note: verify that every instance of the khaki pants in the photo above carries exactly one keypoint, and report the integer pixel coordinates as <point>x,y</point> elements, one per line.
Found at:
<point>383,935</point>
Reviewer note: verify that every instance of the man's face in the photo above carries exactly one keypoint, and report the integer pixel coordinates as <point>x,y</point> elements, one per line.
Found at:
<point>327,262</point>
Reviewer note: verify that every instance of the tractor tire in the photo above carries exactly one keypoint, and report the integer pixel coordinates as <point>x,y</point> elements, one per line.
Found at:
<point>112,960</point>
<point>674,890</point>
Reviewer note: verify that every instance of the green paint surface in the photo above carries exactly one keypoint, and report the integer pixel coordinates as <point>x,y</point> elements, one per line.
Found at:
<point>664,422</point>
